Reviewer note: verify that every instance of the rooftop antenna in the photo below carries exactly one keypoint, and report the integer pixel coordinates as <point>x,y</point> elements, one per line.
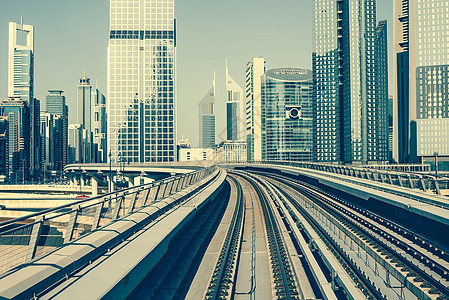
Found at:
<point>214,83</point>
<point>84,72</point>
<point>21,19</point>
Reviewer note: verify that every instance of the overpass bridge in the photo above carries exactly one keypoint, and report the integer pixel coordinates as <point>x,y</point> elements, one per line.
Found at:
<point>271,230</point>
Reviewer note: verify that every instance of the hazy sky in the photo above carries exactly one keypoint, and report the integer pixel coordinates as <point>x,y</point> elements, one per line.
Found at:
<point>71,36</point>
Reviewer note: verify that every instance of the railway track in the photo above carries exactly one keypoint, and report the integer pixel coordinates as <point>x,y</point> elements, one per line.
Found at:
<point>398,245</point>
<point>222,285</point>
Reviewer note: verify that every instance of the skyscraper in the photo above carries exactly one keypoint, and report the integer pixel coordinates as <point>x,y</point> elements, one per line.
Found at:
<point>254,71</point>
<point>99,126</point>
<point>141,81</point>
<point>18,115</point>
<point>404,106</point>
<point>4,148</point>
<point>56,105</point>
<point>47,143</point>
<point>21,83</point>
<point>84,103</point>
<point>206,118</point>
<point>377,114</point>
<point>344,71</point>
<point>74,143</point>
<point>287,102</point>
<point>235,117</point>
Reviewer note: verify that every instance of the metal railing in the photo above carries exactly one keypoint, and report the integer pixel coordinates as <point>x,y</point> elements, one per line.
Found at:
<point>29,237</point>
<point>402,179</point>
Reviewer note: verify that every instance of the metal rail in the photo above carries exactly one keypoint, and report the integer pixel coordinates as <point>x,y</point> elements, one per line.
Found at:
<point>283,276</point>
<point>344,215</point>
<point>219,284</point>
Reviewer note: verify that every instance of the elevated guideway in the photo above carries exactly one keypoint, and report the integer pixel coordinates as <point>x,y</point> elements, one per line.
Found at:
<point>39,250</point>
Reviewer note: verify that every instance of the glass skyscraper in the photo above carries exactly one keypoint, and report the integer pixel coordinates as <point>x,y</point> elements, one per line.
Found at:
<point>287,118</point>
<point>344,77</point>
<point>431,60</point>
<point>206,119</point>
<point>141,81</point>
<point>21,84</point>
<point>56,105</point>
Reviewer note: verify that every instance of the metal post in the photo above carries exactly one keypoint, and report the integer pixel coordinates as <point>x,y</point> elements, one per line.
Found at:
<point>71,225</point>
<point>96,223</point>
<point>34,238</point>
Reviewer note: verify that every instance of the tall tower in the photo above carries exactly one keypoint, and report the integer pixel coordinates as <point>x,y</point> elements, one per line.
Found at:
<point>99,125</point>
<point>56,105</point>
<point>84,103</point>
<point>343,66</point>
<point>254,71</point>
<point>21,83</point>
<point>235,117</point>
<point>141,81</point>
<point>206,116</point>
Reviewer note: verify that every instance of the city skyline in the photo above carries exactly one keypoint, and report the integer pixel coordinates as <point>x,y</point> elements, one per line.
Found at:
<point>201,49</point>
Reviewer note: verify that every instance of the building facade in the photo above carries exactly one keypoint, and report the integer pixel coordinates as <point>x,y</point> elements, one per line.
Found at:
<point>196,154</point>
<point>344,77</point>
<point>18,114</point>
<point>99,127</point>
<point>377,110</point>
<point>235,116</point>
<point>254,71</point>
<point>56,105</point>
<point>287,114</point>
<point>21,84</point>
<point>75,143</point>
<point>206,119</point>
<point>4,149</point>
<point>47,145</point>
<point>141,81</point>
<point>231,151</point>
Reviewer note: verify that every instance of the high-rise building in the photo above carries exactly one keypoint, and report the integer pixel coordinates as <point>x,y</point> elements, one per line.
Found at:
<point>56,105</point>
<point>344,72</point>
<point>391,118</point>
<point>21,84</point>
<point>254,71</point>
<point>99,126</point>
<point>47,145</point>
<point>377,110</point>
<point>141,81</point>
<point>235,116</point>
<point>84,102</point>
<point>4,148</point>
<point>422,101</point>
<point>18,114</point>
<point>404,105</point>
<point>74,143</point>
<point>206,118</point>
<point>287,103</point>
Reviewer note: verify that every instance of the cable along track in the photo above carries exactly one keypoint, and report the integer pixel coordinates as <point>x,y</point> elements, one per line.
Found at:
<point>380,242</point>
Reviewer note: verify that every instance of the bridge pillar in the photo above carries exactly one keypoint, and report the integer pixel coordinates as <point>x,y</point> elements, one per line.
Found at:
<point>94,185</point>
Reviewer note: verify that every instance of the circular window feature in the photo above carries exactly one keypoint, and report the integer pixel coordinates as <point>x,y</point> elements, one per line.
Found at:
<point>294,113</point>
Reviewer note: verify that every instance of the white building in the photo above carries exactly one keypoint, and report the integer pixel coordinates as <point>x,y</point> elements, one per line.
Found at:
<point>196,154</point>
<point>235,115</point>
<point>206,118</point>
<point>141,81</point>
<point>254,71</point>
<point>231,151</point>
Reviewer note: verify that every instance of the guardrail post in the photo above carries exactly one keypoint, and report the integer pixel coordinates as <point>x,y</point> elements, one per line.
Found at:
<point>161,190</point>
<point>98,215</point>
<point>389,178</point>
<point>71,225</point>
<point>423,184</point>
<point>190,179</point>
<point>410,181</point>
<point>119,206</point>
<point>168,188</point>
<point>34,238</point>
<point>132,205</point>
<point>400,180</point>
<point>382,178</point>
<point>147,195</point>
<point>437,188</point>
